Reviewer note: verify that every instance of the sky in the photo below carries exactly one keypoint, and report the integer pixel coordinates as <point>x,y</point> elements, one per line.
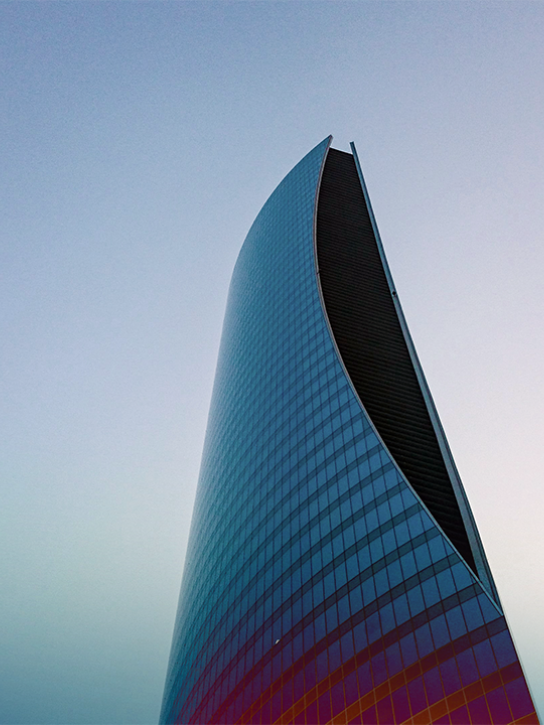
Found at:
<point>139,141</point>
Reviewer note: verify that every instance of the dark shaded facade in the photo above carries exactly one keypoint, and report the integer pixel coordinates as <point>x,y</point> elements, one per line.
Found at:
<point>334,572</point>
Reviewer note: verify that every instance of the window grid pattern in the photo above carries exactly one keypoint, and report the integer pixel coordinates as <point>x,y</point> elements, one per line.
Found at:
<point>317,588</point>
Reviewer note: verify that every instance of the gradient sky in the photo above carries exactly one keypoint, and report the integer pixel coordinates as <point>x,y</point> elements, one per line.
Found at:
<point>139,141</point>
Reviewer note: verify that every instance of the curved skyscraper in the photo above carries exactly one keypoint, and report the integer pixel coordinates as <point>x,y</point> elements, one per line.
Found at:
<point>334,572</point>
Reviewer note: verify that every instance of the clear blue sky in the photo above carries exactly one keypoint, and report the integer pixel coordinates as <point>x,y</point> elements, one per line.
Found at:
<point>139,141</point>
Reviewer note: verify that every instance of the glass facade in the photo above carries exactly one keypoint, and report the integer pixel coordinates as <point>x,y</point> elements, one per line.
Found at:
<point>318,588</point>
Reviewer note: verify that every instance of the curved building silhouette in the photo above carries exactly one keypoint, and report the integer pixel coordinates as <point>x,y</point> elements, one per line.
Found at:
<point>334,572</point>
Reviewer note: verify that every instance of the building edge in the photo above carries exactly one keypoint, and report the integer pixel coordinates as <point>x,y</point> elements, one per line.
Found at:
<point>483,570</point>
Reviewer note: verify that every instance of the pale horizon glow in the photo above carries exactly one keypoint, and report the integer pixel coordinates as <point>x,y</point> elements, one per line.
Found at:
<point>140,140</point>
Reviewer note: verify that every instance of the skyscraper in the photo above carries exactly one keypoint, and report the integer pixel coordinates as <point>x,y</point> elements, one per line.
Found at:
<point>334,572</point>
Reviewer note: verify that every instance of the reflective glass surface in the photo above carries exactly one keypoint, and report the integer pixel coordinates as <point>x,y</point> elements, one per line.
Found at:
<point>317,587</point>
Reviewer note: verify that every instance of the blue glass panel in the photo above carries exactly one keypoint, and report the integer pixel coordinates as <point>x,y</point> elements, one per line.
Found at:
<point>308,546</point>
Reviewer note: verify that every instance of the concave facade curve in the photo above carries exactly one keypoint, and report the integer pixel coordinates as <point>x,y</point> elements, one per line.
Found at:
<point>325,580</point>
